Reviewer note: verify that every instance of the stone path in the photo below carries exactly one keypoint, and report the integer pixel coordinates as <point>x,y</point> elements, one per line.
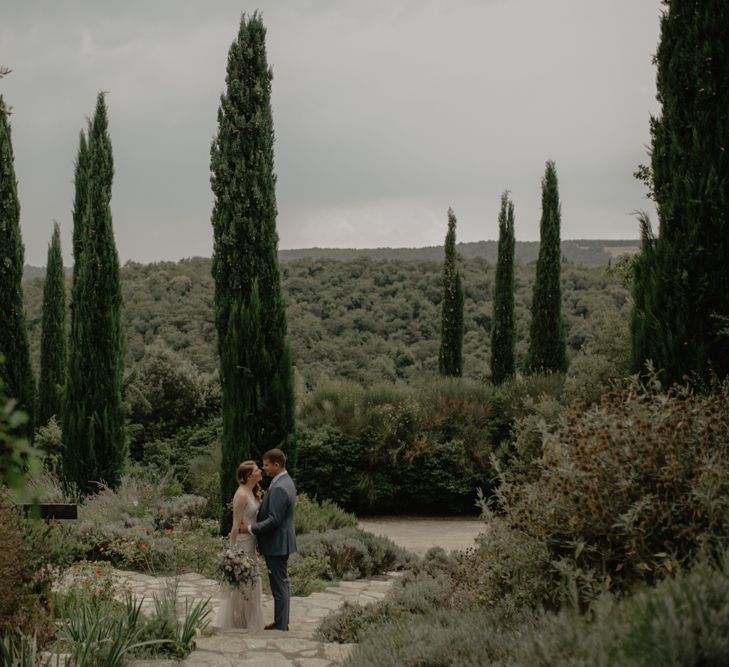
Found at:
<point>297,648</point>
<point>263,648</point>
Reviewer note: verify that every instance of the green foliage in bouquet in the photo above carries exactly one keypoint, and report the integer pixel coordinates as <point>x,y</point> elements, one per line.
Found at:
<point>235,568</point>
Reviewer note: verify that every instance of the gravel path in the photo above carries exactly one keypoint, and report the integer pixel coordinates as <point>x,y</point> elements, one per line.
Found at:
<point>418,534</point>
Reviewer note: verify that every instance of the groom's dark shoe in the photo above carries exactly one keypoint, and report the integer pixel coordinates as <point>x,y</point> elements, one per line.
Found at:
<point>270,627</point>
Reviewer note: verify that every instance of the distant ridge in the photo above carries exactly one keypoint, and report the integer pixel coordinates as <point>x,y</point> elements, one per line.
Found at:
<point>587,252</point>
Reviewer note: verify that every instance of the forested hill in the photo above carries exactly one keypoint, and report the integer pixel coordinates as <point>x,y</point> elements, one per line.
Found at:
<point>365,320</point>
<point>590,252</point>
<point>587,252</point>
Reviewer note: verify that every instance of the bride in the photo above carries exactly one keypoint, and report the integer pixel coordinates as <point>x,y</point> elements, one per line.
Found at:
<point>241,607</point>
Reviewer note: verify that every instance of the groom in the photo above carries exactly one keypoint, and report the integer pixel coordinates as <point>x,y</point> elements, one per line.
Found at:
<point>275,532</point>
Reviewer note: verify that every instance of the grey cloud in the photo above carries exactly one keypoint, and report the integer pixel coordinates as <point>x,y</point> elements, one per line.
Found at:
<point>385,112</point>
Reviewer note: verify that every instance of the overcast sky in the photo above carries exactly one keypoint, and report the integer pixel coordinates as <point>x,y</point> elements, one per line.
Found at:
<point>386,113</point>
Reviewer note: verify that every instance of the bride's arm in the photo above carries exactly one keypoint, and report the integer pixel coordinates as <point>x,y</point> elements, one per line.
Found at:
<point>239,505</point>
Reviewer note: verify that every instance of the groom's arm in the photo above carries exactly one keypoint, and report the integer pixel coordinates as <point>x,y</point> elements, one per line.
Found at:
<point>277,506</point>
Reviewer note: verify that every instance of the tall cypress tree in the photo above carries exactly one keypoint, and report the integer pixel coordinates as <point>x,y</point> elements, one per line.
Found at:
<point>642,325</point>
<point>81,193</point>
<point>503,329</point>
<point>687,290</point>
<point>450,357</point>
<point>53,334</point>
<point>16,372</point>
<point>547,348</point>
<point>93,415</point>
<point>255,363</point>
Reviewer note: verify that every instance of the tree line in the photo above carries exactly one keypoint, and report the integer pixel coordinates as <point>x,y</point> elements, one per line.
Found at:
<point>363,320</point>
<point>547,346</point>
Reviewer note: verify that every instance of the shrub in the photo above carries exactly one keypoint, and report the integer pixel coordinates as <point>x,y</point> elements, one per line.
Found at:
<point>312,516</point>
<point>517,395</point>
<point>507,568</point>
<point>97,630</point>
<point>360,447</point>
<point>139,527</point>
<point>19,650</point>
<point>423,588</point>
<point>29,562</point>
<point>167,392</point>
<point>352,553</point>
<point>683,620</point>
<point>14,572</point>
<point>519,455</point>
<point>48,440</point>
<point>631,488</point>
<point>440,639</point>
<point>177,634</point>
<point>308,574</point>
<point>330,465</point>
<point>85,583</point>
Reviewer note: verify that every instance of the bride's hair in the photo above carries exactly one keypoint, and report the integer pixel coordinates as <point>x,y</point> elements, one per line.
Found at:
<point>242,474</point>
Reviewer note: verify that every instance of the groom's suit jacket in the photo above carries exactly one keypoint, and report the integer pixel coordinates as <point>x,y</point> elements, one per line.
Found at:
<point>275,526</point>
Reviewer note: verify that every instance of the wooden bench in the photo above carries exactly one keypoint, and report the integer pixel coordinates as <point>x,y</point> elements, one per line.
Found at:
<point>48,511</point>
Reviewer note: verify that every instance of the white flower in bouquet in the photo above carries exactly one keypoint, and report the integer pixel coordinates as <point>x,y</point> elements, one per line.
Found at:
<point>235,568</point>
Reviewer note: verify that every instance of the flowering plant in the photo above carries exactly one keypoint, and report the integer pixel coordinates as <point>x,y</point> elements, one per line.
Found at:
<point>235,568</point>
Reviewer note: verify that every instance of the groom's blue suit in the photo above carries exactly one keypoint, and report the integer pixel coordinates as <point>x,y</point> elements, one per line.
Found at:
<point>276,541</point>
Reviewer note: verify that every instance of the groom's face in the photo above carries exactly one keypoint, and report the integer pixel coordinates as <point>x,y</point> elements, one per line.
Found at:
<point>271,469</point>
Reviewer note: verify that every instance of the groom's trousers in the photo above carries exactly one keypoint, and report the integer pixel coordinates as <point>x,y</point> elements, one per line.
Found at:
<point>278,575</point>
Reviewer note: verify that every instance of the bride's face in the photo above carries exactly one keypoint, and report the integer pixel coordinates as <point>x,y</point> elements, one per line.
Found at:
<point>256,475</point>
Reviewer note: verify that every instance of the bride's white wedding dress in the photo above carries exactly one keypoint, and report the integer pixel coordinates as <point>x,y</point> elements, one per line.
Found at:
<point>241,607</point>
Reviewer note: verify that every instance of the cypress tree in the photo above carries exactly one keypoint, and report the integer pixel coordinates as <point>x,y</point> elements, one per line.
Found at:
<point>503,330</point>
<point>450,357</point>
<point>255,363</point>
<point>642,326</point>
<point>686,293</point>
<point>547,348</point>
<point>79,200</point>
<point>93,415</point>
<point>16,372</point>
<point>53,334</point>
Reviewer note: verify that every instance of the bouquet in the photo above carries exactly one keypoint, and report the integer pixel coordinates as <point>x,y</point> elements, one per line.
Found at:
<point>235,568</point>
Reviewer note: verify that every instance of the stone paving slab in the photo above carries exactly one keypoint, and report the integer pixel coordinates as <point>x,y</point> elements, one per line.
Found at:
<point>262,648</point>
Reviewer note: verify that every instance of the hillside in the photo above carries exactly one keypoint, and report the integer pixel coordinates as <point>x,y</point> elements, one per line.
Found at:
<point>364,320</point>
<point>590,252</point>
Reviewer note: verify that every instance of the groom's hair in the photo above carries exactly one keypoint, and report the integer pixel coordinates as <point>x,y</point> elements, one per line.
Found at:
<point>275,456</point>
